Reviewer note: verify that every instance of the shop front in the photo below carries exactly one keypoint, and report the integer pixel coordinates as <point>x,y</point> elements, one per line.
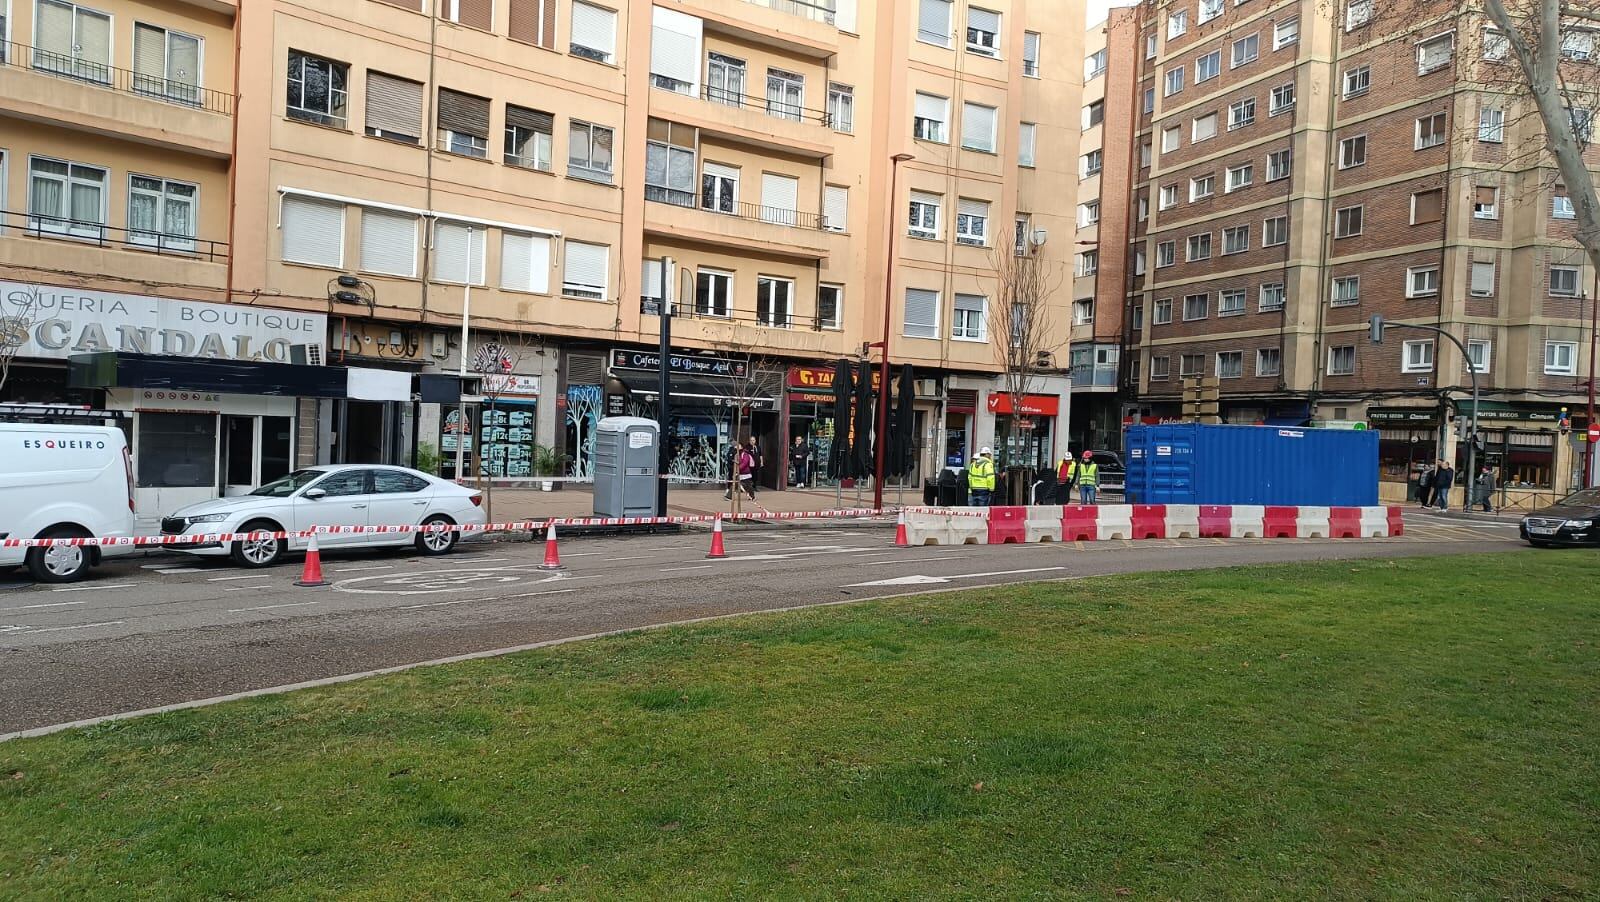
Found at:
<point>1530,447</point>
<point>810,418</point>
<point>1024,430</point>
<point>1408,442</point>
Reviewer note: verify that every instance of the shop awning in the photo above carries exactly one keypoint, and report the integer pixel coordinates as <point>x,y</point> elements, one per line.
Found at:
<point>120,370</point>
<point>1507,411</point>
<point>707,389</point>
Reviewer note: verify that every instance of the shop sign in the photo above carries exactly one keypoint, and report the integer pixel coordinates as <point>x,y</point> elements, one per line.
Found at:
<point>679,363</point>
<point>61,322</point>
<point>820,378</point>
<point>810,396</point>
<point>1402,415</point>
<point>1032,405</point>
<point>510,386</point>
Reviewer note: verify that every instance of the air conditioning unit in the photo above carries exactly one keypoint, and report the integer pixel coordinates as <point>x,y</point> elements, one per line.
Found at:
<point>438,345</point>
<point>927,388</point>
<point>306,354</point>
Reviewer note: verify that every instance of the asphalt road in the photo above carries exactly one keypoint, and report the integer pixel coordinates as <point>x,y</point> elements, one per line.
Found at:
<point>146,634</point>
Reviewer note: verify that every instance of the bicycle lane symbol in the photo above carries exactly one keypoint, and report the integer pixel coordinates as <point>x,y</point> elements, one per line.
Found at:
<point>481,579</point>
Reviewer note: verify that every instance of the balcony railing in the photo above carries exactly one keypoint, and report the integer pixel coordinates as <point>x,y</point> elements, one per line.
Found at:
<point>15,222</point>
<point>1086,375</point>
<point>816,12</point>
<point>124,81</point>
<point>739,209</point>
<point>778,109</point>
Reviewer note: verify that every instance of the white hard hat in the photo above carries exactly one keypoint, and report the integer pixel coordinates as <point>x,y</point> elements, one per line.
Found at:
<point>984,453</point>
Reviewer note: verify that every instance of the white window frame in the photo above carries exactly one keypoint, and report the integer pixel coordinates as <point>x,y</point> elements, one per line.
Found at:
<point>1480,355</point>
<point>1094,65</point>
<point>1177,24</point>
<point>1194,133</point>
<point>1162,314</point>
<point>1238,177</point>
<point>477,264</point>
<point>1163,372</point>
<point>1183,360</point>
<point>61,223</point>
<point>1175,133</point>
<point>1414,205</point>
<point>1204,306</point>
<point>1492,125</point>
<point>1091,163</point>
<point>1574,272</point>
<point>1167,198</point>
<point>1491,211</point>
<point>1276,104</point>
<point>1417,356</point>
<point>319,117</point>
<point>1276,356</point>
<point>1552,358</point>
<point>1245,51</point>
<point>1360,217</point>
<point>980,47</point>
<point>1333,354</point>
<point>1472,271</point>
<point>1279,289</point>
<point>1412,274</point>
<point>1214,58</point>
<point>572,289</point>
<point>1561,207</point>
<point>1348,158</point>
<point>1287,156</point>
<point>1174,81</point>
<point>1202,187</point>
<point>714,278</point>
<point>594,54</point>
<point>170,88</point>
<point>1358,13</point>
<point>1208,10</point>
<point>1230,296</point>
<point>1285,33</point>
<point>905,311</point>
<point>938,130</point>
<point>1267,230</point>
<point>1448,39</point>
<point>1496,47</point>
<point>961,325</point>
<point>1241,113</point>
<point>1088,213</point>
<point>938,40</point>
<point>1030,61</point>
<point>842,107</point>
<point>1166,253</point>
<point>773,319</point>
<point>162,238</point>
<point>971,229</point>
<point>1230,238</point>
<point>920,204</point>
<point>1438,137</point>
<point>1349,299</point>
<point>986,142</point>
<point>837,322</point>
<point>1236,357</point>
<point>1151,46</point>
<point>1357,81</point>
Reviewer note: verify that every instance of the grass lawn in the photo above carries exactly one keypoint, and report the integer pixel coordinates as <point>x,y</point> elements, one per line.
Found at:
<point>1427,728</point>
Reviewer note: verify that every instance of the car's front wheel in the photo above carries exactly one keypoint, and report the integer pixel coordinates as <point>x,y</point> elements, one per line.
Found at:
<point>433,540</point>
<point>258,551</point>
<point>60,563</point>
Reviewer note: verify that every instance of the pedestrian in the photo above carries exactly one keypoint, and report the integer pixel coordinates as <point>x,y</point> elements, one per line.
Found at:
<point>1086,473</point>
<point>800,458</point>
<point>980,479</point>
<point>1443,480</point>
<point>745,470</point>
<point>1066,474</point>
<point>1425,486</point>
<point>1486,486</point>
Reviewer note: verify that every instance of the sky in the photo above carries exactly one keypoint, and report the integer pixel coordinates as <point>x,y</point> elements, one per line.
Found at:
<point>1097,9</point>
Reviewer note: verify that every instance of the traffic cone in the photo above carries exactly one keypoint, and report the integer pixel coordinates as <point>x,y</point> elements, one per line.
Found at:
<point>717,550</point>
<point>552,557</point>
<point>311,576</point>
<point>900,540</point>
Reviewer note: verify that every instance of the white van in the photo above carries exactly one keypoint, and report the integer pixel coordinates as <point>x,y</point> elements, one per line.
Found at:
<point>60,482</point>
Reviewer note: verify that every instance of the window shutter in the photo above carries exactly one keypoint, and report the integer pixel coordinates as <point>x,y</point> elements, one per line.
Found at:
<point>845,16</point>
<point>389,243</point>
<point>475,13</point>
<point>394,105</point>
<point>463,114</point>
<point>586,267</point>
<point>1026,136</point>
<point>650,278</point>
<point>1483,278</point>
<point>525,262</point>
<point>533,120</point>
<point>1030,47</point>
<point>836,207</point>
<point>922,313</point>
<point>933,20</point>
<point>313,232</point>
<point>53,30</point>
<point>149,51</point>
<point>450,249</point>
<point>968,207</point>
<point>594,28</point>
<point>533,21</point>
<point>1487,196</point>
<point>93,39</point>
<point>930,107</point>
<point>1428,207</point>
<point>983,19</point>
<point>675,47</point>
<point>780,198</point>
<point>922,197</point>
<point>413,5</point>
<point>977,126</point>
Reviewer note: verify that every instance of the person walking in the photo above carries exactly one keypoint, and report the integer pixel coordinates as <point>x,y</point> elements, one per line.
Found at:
<point>746,464</point>
<point>1425,486</point>
<point>1486,487</point>
<point>1086,473</point>
<point>1443,480</point>
<point>1066,474</point>
<point>980,479</point>
<point>799,459</point>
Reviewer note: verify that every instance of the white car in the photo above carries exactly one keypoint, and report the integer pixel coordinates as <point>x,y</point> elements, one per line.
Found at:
<point>342,495</point>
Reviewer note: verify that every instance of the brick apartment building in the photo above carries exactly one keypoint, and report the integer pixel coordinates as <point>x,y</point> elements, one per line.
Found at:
<point>1301,168</point>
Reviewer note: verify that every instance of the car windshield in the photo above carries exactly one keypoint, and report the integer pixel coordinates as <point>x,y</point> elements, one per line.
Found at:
<point>285,486</point>
<point>1587,498</point>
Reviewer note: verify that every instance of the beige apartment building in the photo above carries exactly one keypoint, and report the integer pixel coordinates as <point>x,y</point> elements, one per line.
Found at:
<point>349,177</point>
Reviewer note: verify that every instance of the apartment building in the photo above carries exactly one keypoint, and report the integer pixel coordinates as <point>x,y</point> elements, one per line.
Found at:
<point>553,168</point>
<point>1305,168</point>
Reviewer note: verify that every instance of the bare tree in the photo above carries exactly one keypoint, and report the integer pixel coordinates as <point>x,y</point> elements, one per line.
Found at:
<point>497,361</point>
<point>1022,326</point>
<point>752,378</point>
<point>18,311</point>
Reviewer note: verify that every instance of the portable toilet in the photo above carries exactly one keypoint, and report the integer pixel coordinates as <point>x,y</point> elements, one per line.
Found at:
<point>626,459</point>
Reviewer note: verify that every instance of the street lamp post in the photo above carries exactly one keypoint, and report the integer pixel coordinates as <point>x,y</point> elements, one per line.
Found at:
<point>883,369</point>
<point>461,404</point>
<point>1377,325</point>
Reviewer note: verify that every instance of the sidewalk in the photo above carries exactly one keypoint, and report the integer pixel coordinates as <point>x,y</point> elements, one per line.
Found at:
<point>577,500</point>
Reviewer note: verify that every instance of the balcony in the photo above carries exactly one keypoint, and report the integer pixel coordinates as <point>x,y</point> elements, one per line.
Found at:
<point>1094,377</point>
<point>760,122</point>
<point>70,91</point>
<point>738,225</point>
<point>803,27</point>
<point>49,243</point>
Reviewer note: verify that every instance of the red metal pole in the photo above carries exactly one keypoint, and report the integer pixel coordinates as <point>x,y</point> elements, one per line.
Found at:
<point>882,431</point>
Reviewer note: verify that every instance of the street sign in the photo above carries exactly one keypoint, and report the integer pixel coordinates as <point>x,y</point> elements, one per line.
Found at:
<point>1594,432</point>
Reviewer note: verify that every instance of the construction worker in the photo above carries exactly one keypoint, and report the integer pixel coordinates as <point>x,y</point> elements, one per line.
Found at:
<point>980,479</point>
<point>1087,474</point>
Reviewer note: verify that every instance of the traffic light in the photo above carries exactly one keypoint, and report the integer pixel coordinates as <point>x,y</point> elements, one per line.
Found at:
<point>1375,327</point>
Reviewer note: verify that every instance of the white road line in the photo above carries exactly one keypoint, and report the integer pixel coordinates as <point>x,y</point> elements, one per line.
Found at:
<point>676,569</point>
<point>179,570</point>
<point>359,569</point>
<point>637,557</point>
<point>29,607</point>
<point>223,579</point>
<point>438,604</point>
<point>535,594</point>
<point>573,553</point>
<point>81,626</point>
<point>1005,572</point>
<point>271,607</point>
<point>247,588</point>
<point>88,588</point>
<point>913,560</point>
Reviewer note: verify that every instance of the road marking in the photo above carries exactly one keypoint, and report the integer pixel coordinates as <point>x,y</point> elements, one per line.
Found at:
<point>637,557</point>
<point>55,604</point>
<point>535,594</point>
<point>272,607</point>
<point>179,570</point>
<point>579,554</point>
<point>223,579</point>
<point>677,569</point>
<point>87,588</point>
<point>920,579</point>
<point>427,582</point>
<point>81,626</point>
<point>359,569</point>
<point>914,560</point>
<point>247,588</point>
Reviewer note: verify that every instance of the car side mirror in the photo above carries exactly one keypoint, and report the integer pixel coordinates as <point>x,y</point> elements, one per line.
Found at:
<point>315,494</point>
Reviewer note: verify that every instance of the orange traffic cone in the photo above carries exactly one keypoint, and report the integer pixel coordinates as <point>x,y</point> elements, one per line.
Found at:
<point>311,576</point>
<point>552,557</point>
<point>900,540</point>
<point>717,550</point>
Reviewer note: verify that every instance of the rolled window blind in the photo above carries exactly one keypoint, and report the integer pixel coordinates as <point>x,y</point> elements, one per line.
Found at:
<point>594,28</point>
<point>313,232</point>
<point>983,20</point>
<point>452,243</point>
<point>933,21</point>
<point>149,51</point>
<point>977,126</point>
<point>922,313</point>
<point>463,114</point>
<point>968,207</point>
<point>675,46</point>
<point>414,5</point>
<point>930,107</point>
<point>475,13</point>
<point>394,105</point>
<point>587,265</point>
<point>836,206</point>
<point>533,120</point>
<point>525,263</point>
<point>533,21</point>
<point>389,243</point>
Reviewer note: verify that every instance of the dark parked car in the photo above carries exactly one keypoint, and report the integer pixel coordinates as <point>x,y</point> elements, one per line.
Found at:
<point>1574,520</point>
<point>1113,475</point>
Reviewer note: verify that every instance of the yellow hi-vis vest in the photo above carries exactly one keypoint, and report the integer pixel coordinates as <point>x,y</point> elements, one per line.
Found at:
<point>981,474</point>
<point>1086,474</point>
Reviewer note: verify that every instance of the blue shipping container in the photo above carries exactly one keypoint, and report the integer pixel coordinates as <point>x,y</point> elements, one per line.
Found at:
<point>1196,463</point>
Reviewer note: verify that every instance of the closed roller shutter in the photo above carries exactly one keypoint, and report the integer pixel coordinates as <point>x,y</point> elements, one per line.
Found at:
<point>389,243</point>
<point>675,48</point>
<point>922,313</point>
<point>586,269</point>
<point>394,107</point>
<point>313,232</point>
<point>533,21</point>
<point>977,127</point>
<point>451,249</point>
<point>780,198</point>
<point>475,13</point>
<point>933,21</point>
<point>595,29</point>
<point>533,120</point>
<point>525,263</point>
<point>463,113</point>
<point>836,207</point>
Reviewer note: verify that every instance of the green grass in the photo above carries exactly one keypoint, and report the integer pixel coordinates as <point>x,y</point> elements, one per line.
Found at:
<point>1428,728</point>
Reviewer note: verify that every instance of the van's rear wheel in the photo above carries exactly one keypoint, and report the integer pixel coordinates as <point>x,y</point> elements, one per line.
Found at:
<point>60,563</point>
<point>258,552</point>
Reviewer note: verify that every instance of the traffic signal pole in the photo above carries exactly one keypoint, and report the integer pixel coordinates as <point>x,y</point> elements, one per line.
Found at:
<point>1377,326</point>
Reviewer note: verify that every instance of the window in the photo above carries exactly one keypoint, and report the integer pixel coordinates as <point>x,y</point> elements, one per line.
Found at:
<point>675,41</point>
<point>1163,312</point>
<point>1236,239</point>
<point>1435,53</point>
<point>1138,317</point>
<point>317,90</point>
<point>842,108</point>
<point>836,208</point>
<point>1563,281</point>
<point>968,322</point>
<point>930,116</point>
<point>1492,126</point>
<point>1230,364</point>
<point>1145,155</point>
<point>1242,176</point>
<point>1177,24</point>
<point>1230,302</point>
<point>1020,238</point>
<point>972,222</point>
<point>313,232</point>
<point>394,108</point>
<point>1285,33</point>
<point>1353,152</point>
<point>1090,163</point>
<point>166,64</point>
<point>1246,50</point>
<point>1357,14</point>
<point>594,32</point>
<point>933,22</point>
<point>66,198</point>
<point>1282,99</point>
<point>983,32</point>
<point>1272,297</point>
<point>1088,213</point>
<point>463,124</point>
<point>670,164</point>
<point>1577,44</point>
<point>587,269</point>
<point>1561,205</point>
<point>650,288</point>
<point>533,22</point>
<point>1430,131</point>
<point>1417,357</point>
<point>1150,43</point>
<point>780,199</point>
<point>1149,100</point>
<point>725,79</point>
<point>1496,46</point>
<point>786,94</point>
<point>1342,360</point>
<point>1169,197</point>
<point>1208,67</point>
<point>1160,368</point>
<point>162,213</point>
<point>1346,291</point>
<point>1202,187</point>
<point>1205,128</point>
<point>1030,54</point>
<point>466,12</point>
<point>1094,65</point>
<point>1209,9</point>
<point>977,127</point>
<point>1582,124</point>
<point>525,262</point>
<point>1347,222</point>
<point>713,293</point>
<point>1191,365</point>
<point>922,313</point>
<point>774,301</point>
<point>1480,351</point>
<point>1174,81</point>
<point>1427,207</point>
<point>830,303</point>
<point>459,252</point>
<point>1094,114</point>
<point>719,187</point>
<point>72,40</point>
<point>1279,163</point>
<point>530,138</point>
<point>1486,202</point>
<point>1422,281</point>
<point>589,152</point>
<point>1088,263</point>
<point>1171,136</point>
<point>1357,81</point>
<point>1194,306</point>
<point>1138,261</point>
<point>1269,361</point>
<point>1241,113</point>
<point>1560,358</point>
<point>924,221</point>
<point>1274,231</point>
<point>1166,253</point>
<point>1482,283</point>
